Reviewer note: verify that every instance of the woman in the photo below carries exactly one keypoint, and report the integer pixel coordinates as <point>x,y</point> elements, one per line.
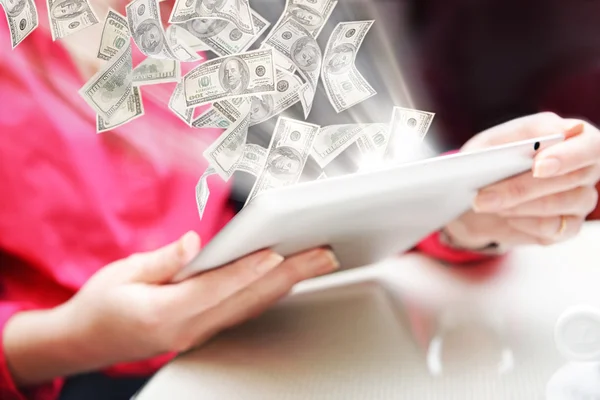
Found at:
<point>74,202</point>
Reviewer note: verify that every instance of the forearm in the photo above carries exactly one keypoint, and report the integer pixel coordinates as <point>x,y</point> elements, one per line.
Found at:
<point>42,345</point>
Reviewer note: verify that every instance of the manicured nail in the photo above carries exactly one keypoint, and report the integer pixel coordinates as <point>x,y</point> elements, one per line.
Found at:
<point>574,130</point>
<point>546,167</point>
<point>190,246</point>
<point>270,261</point>
<point>324,261</point>
<point>487,202</point>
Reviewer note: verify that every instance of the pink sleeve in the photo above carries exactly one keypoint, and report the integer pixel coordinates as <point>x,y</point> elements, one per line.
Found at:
<point>8,389</point>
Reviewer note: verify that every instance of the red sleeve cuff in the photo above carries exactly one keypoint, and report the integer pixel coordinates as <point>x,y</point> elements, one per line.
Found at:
<point>8,388</point>
<point>433,246</point>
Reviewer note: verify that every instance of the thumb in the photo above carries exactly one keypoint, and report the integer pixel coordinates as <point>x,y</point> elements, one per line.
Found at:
<point>161,266</point>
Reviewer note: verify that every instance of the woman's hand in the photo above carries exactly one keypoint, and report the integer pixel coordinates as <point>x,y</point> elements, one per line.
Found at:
<point>544,206</point>
<point>130,311</point>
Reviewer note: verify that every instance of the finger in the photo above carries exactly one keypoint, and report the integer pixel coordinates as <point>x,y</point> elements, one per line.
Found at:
<point>529,127</point>
<point>575,153</point>
<point>579,201</point>
<point>160,266</point>
<point>204,291</point>
<point>263,293</point>
<point>548,229</point>
<point>524,188</point>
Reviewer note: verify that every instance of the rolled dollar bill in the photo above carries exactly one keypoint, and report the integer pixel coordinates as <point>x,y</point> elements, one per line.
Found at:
<point>110,87</point>
<point>224,154</point>
<point>177,105</point>
<point>69,16</point>
<point>234,11</point>
<point>239,75</point>
<point>146,28</point>
<point>312,14</point>
<point>154,70</point>
<point>131,109</point>
<point>115,34</point>
<point>333,141</point>
<point>202,191</point>
<point>223,37</point>
<point>344,84</point>
<point>295,43</point>
<point>223,113</point>
<point>253,160</point>
<point>287,154</point>
<point>22,17</point>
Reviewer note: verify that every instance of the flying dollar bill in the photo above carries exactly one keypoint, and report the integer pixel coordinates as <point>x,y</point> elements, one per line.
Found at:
<point>131,109</point>
<point>234,11</point>
<point>202,190</point>
<point>179,47</point>
<point>110,87</point>
<point>253,160</point>
<point>154,70</point>
<point>407,127</point>
<point>223,113</point>
<point>115,34</point>
<point>372,144</point>
<point>333,141</point>
<point>22,17</point>
<point>143,17</point>
<point>312,14</point>
<point>224,154</point>
<point>287,154</point>
<point>295,43</point>
<point>239,75</point>
<point>223,37</point>
<point>177,105</point>
<point>266,106</point>
<point>344,84</point>
<point>69,16</point>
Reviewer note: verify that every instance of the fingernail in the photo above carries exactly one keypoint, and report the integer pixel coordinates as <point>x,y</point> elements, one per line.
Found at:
<point>546,167</point>
<point>190,246</point>
<point>487,202</point>
<point>270,261</point>
<point>575,129</point>
<point>324,261</point>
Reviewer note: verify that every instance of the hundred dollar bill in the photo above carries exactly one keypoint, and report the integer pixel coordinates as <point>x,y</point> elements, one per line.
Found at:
<point>295,43</point>
<point>239,75</point>
<point>179,47</point>
<point>289,149</point>
<point>131,109</point>
<point>312,14</point>
<point>110,87</point>
<point>202,191</point>
<point>22,17</point>
<point>235,11</point>
<point>69,16</point>
<point>145,24</point>
<point>253,160</point>
<point>344,84</point>
<point>407,129</point>
<point>333,141</point>
<point>224,154</point>
<point>307,95</point>
<point>223,37</point>
<point>266,106</point>
<point>177,105</point>
<point>223,113</point>
<point>115,34</point>
<point>154,70</point>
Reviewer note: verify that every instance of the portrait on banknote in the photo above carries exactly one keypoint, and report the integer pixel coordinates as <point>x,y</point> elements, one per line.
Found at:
<point>306,16</point>
<point>206,7</point>
<point>205,28</point>
<point>341,59</point>
<point>260,108</point>
<point>284,162</point>
<point>69,9</point>
<point>306,54</point>
<point>149,36</point>
<point>14,7</point>
<point>234,75</point>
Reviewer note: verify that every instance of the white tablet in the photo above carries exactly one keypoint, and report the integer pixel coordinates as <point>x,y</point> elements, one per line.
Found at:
<point>366,217</point>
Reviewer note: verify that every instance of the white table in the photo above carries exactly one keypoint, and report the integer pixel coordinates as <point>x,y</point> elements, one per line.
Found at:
<point>376,333</point>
